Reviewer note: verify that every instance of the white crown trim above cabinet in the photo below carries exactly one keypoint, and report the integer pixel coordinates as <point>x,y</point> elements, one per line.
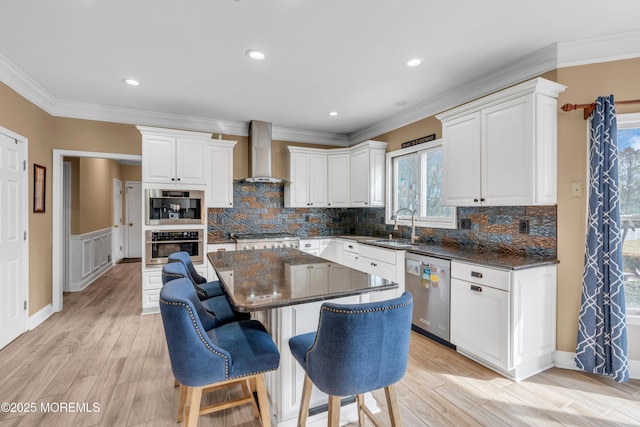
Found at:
<point>500,150</point>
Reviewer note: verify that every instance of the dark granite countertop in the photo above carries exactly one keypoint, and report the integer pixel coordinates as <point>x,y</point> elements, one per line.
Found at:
<point>502,260</point>
<point>271,278</point>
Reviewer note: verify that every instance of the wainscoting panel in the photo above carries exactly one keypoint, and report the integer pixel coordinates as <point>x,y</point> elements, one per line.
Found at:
<point>89,257</point>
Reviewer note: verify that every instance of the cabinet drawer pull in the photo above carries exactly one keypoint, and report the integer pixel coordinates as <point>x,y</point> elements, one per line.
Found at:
<point>307,245</point>
<point>350,246</point>
<point>476,274</point>
<point>475,288</point>
<point>373,264</point>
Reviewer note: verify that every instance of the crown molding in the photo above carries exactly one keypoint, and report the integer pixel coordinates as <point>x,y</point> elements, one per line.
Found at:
<point>527,67</point>
<point>599,49</point>
<point>310,137</point>
<point>24,85</point>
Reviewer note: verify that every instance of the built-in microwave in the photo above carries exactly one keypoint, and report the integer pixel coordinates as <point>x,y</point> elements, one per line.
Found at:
<point>161,243</point>
<point>174,207</point>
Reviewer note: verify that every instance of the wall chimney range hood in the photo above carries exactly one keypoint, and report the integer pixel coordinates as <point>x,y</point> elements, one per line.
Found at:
<point>260,152</point>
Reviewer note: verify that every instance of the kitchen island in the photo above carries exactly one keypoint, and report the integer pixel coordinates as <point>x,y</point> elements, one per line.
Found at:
<point>284,289</point>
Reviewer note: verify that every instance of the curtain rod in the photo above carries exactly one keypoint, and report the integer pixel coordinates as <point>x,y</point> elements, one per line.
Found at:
<point>588,108</point>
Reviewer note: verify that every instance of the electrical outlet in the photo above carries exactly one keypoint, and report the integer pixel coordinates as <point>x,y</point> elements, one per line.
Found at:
<point>465,224</point>
<point>523,227</point>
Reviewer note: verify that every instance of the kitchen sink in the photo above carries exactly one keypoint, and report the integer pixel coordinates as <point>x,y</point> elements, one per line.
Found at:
<point>395,243</point>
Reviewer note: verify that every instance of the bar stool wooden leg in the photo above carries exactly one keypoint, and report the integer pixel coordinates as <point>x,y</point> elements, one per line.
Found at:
<point>392,403</point>
<point>192,408</point>
<point>360,403</point>
<point>246,389</point>
<point>334,411</point>
<point>181,401</point>
<point>261,390</point>
<point>304,401</point>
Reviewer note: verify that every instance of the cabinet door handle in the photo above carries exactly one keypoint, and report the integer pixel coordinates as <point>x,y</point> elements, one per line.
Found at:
<point>178,179</point>
<point>482,199</point>
<point>475,288</point>
<point>173,179</point>
<point>476,274</point>
<point>350,246</point>
<point>475,200</point>
<point>373,264</point>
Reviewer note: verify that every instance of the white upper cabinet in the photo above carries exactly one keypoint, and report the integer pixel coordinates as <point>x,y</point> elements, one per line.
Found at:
<point>368,174</point>
<point>339,177</point>
<point>307,176</point>
<point>219,173</point>
<point>339,166</point>
<point>501,149</point>
<point>172,156</point>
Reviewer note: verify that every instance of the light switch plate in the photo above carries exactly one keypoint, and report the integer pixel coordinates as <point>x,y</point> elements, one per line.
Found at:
<point>576,189</point>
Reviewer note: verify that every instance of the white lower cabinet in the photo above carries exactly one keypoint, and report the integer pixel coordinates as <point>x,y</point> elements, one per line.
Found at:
<point>310,246</point>
<point>151,285</point>
<point>504,319</point>
<point>480,321</point>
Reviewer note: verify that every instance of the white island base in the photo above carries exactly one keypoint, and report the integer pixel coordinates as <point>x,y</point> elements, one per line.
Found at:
<point>284,386</point>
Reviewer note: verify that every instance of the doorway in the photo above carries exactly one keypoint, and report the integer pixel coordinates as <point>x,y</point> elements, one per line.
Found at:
<point>58,239</point>
<point>14,255</point>
<point>134,218</point>
<point>117,249</point>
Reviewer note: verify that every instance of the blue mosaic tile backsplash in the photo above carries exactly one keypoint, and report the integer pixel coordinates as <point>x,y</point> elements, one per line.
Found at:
<point>259,207</point>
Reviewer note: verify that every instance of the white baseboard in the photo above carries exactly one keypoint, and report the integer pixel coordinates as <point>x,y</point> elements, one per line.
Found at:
<point>39,317</point>
<point>566,360</point>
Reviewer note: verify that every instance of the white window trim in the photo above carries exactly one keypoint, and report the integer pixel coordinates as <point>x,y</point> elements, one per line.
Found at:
<point>449,223</point>
<point>629,121</point>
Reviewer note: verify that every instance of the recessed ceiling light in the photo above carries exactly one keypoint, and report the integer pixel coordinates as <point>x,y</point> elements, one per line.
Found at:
<point>413,62</point>
<point>131,82</point>
<point>255,54</point>
<point>332,113</point>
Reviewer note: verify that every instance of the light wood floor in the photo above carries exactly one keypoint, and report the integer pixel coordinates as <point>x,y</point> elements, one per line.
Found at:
<point>101,350</point>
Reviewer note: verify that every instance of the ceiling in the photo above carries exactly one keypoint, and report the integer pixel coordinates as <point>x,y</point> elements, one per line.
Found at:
<point>70,58</point>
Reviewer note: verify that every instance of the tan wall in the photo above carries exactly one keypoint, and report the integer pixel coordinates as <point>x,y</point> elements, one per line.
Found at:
<point>585,83</point>
<point>415,130</point>
<point>22,117</point>
<point>95,194</point>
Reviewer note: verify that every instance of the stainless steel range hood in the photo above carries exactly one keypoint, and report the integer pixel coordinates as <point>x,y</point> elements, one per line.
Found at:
<point>260,152</point>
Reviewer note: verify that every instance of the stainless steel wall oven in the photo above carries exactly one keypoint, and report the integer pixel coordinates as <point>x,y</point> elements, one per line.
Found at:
<point>174,207</point>
<point>161,243</point>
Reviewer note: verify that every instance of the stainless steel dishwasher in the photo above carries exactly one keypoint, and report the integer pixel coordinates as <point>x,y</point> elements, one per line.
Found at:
<point>429,280</point>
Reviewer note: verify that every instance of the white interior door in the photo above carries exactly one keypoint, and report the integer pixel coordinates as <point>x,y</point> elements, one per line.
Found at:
<point>117,251</point>
<point>134,219</point>
<point>13,295</point>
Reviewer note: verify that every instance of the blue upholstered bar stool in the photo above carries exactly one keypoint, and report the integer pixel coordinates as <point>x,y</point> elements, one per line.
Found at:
<point>204,356</point>
<point>219,306</point>
<point>357,348</point>
<point>204,288</point>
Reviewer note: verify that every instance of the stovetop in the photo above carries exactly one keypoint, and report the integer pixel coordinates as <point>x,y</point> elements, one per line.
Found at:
<point>262,236</point>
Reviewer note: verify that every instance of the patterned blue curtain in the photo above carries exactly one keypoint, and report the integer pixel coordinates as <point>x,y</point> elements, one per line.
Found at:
<point>602,332</point>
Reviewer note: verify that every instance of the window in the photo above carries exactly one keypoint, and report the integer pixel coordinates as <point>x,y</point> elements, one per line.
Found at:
<point>415,183</point>
<point>629,185</point>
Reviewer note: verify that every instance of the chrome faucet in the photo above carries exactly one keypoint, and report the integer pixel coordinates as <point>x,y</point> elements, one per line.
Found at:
<point>413,222</point>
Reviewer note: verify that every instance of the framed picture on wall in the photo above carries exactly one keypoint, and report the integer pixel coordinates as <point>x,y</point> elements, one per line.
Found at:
<point>39,186</point>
